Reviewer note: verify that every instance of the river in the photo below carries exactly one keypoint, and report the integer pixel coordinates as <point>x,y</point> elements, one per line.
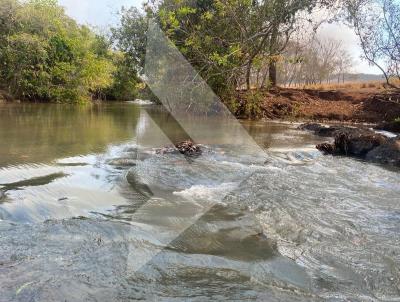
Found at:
<point>85,197</point>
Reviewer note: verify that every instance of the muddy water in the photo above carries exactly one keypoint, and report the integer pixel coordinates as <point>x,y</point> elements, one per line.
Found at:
<point>85,199</point>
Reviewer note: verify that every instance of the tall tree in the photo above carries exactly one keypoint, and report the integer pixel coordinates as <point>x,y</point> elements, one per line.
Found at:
<point>377,24</point>
<point>225,38</point>
<point>46,55</point>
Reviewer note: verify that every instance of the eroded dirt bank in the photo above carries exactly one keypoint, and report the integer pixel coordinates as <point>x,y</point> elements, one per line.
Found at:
<point>347,105</point>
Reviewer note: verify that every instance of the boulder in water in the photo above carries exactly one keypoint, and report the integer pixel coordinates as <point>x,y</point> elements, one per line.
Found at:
<point>312,127</point>
<point>326,148</point>
<point>353,143</point>
<point>386,153</point>
<point>358,142</point>
<point>326,131</point>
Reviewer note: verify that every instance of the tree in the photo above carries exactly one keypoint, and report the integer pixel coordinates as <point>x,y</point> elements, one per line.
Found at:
<point>314,61</point>
<point>125,80</point>
<point>130,37</point>
<point>377,24</point>
<point>45,55</point>
<point>344,64</point>
<point>26,58</point>
<point>225,39</point>
<point>130,40</point>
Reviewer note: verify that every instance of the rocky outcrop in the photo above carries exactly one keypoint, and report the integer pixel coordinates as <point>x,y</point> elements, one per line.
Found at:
<point>358,142</point>
<point>353,144</point>
<point>187,148</point>
<point>386,153</point>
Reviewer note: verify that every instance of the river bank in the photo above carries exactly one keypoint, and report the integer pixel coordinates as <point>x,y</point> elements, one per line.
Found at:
<point>378,107</point>
<point>368,105</point>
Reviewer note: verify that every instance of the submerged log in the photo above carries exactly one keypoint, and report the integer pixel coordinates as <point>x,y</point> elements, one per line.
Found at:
<point>187,148</point>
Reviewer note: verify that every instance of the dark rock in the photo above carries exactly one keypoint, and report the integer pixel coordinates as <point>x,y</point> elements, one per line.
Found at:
<point>2,195</point>
<point>326,148</point>
<point>187,148</point>
<point>311,127</point>
<point>353,143</point>
<point>387,153</point>
<point>390,126</point>
<point>357,143</point>
<point>326,131</point>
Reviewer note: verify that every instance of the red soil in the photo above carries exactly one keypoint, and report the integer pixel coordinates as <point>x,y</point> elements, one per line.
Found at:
<point>350,105</point>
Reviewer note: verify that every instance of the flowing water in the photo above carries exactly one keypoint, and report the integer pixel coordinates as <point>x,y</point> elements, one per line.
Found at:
<point>84,197</point>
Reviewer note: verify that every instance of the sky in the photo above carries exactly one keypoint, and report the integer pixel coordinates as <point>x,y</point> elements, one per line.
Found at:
<point>103,13</point>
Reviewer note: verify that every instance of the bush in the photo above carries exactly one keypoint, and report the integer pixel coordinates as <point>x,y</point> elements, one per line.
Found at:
<point>45,55</point>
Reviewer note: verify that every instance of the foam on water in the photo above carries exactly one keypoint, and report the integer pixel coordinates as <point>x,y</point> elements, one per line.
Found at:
<point>141,102</point>
<point>207,193</point>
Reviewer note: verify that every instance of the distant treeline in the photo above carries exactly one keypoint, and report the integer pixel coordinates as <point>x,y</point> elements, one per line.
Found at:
<point>234,44</point>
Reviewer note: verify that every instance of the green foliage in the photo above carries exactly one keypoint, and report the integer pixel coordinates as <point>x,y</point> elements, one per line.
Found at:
<point>227,40</point>
<point>253,104</point>
<point>125,80</point>
<point>130,38</point>
<point>45,55</point>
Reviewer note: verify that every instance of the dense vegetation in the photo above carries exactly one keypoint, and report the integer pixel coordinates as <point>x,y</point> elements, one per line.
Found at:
<point>234,44</point>
<point>243,44</point>
<point>45,55</point>
<point>226,40</point>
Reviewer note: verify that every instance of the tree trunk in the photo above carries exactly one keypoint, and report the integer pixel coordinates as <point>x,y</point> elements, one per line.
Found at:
<point>272,74</point>
<point>264,79</point>
<point>272,52</point>
<point>248,74</point>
